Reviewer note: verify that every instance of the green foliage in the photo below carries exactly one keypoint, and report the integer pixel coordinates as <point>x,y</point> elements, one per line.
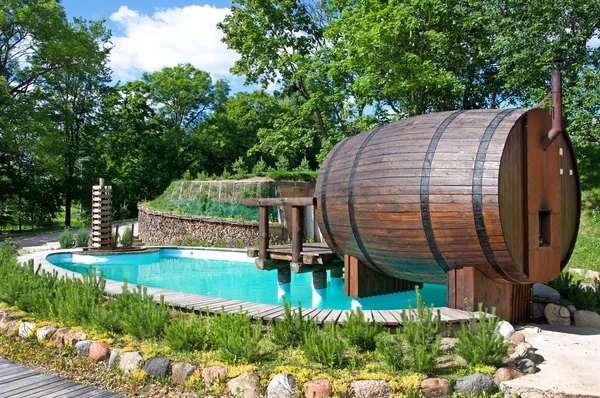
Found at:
<point>127,237</point>
<point>479,342</point>
<point>140,315</point>
<point>282,164</point>
<point>191,240</point>
<point>259,167</point>
<point>188,334</point>
<point>65,239</point>
<point>292,329</point>
<point>82,239</point>
<point>237,338</point>
<point>325,346</point>
<point>389,349</point>
<point>75,299</point>
<point>239,168</point>
<point>114,239</point>
<point>226,174</point>
<point>360,333</point>
<point>9,250</point>
<point>303,166</point>
<point>421,326</point>
<point>574,292</point>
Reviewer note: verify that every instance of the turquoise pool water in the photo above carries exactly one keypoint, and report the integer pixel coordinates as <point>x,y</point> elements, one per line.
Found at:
<point>233,276</point>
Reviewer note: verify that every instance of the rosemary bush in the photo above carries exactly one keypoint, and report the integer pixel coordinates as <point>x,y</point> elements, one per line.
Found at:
<point>360,333</point>
<point>479,342</point>
<point>188,334</point>
<point>65,239</point>
<point>237,338</point>
<point>292,329</point>
<point>389,349</point>
<point>127,237</point>
<point>75,299</point>
<point>82,239</point>
<point>140,315</point>
<point>325,346</point>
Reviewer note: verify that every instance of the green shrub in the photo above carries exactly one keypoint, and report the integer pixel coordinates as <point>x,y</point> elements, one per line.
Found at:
<point>573,292</point>
<point>82,239</point>
<point>479,342</point>
<point>140,315</point>
<point>239,168</point>
<point>9,250</point>
<point>325,346</point>
<point>127,238</point>
<point>191,240</point>
<point>303,166</point>
<point>105,318</point>
<point>389,349</point>
<point>188,334</point>
<point>292,329</point>
<point>75,299</point>
<point>114,240</point>
<point>282,164</point>
<point>360,333</point>
<point>259,168</point>
<point>421,326</point>
<point>65,239</point>
<point>237,338</point>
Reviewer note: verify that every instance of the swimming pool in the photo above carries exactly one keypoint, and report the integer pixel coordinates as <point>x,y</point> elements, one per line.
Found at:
<point>231,275</point>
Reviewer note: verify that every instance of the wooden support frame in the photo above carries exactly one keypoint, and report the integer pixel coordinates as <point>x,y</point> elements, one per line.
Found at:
<point>263,233</point>
<point>297,233</point>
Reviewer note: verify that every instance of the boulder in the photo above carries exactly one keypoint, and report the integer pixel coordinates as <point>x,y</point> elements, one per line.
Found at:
<point>212,374</point>
<point>6,318</point>
<point>557,315</point>
<point>523,350</point>
<point>83,347</point>
<point>99,352</point>
<point>526,366</point>
<point>371,389</point>
<point>587,319</point>
<point>114,358</point>
<point>157,367</point>
<point>538,311</point>
<point>11,325</point>
<point>246,385</point>
<point>25,329</point>
<point>130,361</point>
<point>181,371</point>
<point>517,338</point>
<point>506,374</point>
<point>506,329</point>
<point>474,384</point>
<point>59,336</point>
<point>545,292</point>
<point>318,389</point>
<point>436,388</point>
<point>572,310</point>
<point>283,385</point>
<point>45,332</point>
<point>73,338</point>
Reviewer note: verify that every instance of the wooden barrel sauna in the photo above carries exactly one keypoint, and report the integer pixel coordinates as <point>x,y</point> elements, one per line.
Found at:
<point>444,191</point>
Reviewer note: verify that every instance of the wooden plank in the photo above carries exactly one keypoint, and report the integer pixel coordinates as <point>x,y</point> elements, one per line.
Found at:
<point>321,316</point>
<point>389,319</point>
<point>264,202</point>
<point>274,314</point>
<point>29,381</point>
<point>333,316</point>
<point>30,388</point>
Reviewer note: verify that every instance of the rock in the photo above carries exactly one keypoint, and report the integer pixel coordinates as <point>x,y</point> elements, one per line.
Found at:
<point>11,325</point>
<point>523,350</point>
<point>474,384</point>
<point>59,336</point>
<point>130,361</point>
<point>157,367</point>
<point>506,374</point>
<point>448,343</point>
<point>83,347</point>
<point>371,389</point>
<point>246,385</point>
<point>545,292</point>
<point>182,371</point>
<point>114,358</point>
<point>45,332</point>
<point>283,385</point>
<point>73,338</point>
<point>436,388</point>
<point>99,352</point>
<point>25,329</point>
<point>538,311</point>
<point>6,319</point>
<point>526,366</point>
<point>572,310</point>
<point>587,319</point>
<point>506,329</point>
<point>318,389</point>
<point>213,374</point>
<point>557,315</point>
<point>517,338</point>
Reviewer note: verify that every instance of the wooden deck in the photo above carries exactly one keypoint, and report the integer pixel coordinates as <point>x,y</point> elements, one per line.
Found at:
<point>19,381</point>
<point>311,254</point>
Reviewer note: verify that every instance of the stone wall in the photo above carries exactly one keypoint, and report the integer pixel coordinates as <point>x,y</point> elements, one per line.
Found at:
<point>157,227</point>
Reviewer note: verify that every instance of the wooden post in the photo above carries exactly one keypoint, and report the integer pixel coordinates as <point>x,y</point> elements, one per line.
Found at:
<point>297,232</point>
<point>319,279</point>
<point>284,275</point>
<point>263,232</point>
<point>116,236</point>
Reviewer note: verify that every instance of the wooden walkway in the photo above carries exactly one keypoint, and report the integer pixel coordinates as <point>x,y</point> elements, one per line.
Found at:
<point>312,253</point>
<point>18,381</point>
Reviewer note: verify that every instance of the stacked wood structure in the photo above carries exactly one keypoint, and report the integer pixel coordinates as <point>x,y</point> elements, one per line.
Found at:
<point>102,216</point>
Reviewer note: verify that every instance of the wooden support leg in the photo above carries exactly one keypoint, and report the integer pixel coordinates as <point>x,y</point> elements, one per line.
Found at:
<point>319,279</point>
<point>297,232</point>
<point>468,287</point>
<point>263,233</point>
<point>284,275</point>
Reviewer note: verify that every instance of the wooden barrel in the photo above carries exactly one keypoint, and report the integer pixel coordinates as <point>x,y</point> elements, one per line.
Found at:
<point>416,198</point>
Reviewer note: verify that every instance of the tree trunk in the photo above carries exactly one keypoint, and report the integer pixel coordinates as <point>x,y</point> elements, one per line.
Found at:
<point>68,202</point>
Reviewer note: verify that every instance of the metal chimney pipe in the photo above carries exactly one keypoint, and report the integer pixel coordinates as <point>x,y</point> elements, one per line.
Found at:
<point>557,117</point>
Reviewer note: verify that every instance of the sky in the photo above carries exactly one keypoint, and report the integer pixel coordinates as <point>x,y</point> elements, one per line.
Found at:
<point>149,35</point>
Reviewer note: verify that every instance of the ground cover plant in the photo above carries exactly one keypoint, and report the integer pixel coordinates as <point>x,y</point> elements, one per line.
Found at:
<point>573,291</point>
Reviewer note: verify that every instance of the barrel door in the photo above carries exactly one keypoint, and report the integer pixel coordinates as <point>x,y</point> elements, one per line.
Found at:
<point>416,198</point>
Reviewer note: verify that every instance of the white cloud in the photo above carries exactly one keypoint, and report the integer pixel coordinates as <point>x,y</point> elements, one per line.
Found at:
<point>167,38</point>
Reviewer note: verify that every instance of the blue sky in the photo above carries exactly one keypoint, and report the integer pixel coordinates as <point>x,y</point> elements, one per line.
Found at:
<point>149,35</point>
